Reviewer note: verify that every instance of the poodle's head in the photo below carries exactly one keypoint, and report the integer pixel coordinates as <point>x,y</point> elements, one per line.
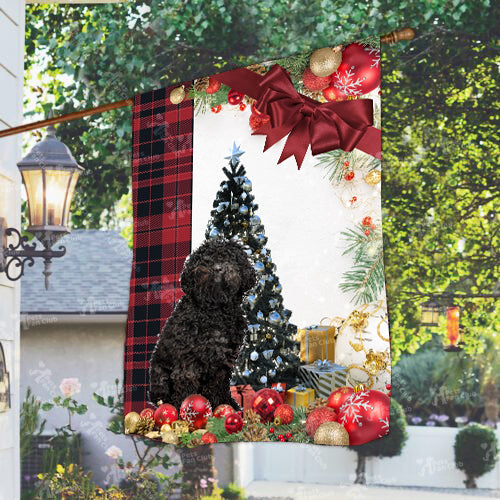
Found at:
<point>218,272</point>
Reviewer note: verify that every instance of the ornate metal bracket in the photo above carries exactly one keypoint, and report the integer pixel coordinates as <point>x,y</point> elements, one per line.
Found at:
<point>16,257</point>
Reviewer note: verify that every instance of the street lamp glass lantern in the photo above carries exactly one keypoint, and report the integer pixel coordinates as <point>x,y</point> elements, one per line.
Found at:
<point>50,173</point>
<point>429,314</point>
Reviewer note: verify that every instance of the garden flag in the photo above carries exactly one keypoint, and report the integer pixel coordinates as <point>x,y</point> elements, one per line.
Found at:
<point>257,297</point>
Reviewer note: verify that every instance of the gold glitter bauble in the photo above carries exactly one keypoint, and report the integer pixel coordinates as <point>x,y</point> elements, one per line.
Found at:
<point>359,388</point>
<point>325,61</point>
<point>180,427</point>
<point>177,95</point>
<point>131,420</point>
<point>373,178</point>
<point>170,437</point>
<point>332,434</point>
<point>358,320</point>
<point>375,362</point>
<point>165,428</point>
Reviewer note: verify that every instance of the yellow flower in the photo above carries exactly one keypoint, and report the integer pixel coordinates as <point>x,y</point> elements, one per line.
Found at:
<point>60,469</point>
<point>40,476</point>
<point>70,468</point>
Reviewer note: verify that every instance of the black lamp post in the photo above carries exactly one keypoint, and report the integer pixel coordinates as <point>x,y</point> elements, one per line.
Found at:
<point>50,174</point>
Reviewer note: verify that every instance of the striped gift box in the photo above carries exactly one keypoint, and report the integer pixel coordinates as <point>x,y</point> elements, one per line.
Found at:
<point>323,376</point>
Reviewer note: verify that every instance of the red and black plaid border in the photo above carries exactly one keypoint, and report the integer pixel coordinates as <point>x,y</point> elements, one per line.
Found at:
<point>162,171</point>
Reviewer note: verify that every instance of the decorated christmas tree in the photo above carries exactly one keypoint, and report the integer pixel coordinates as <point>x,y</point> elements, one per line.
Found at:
<point>269,353</point>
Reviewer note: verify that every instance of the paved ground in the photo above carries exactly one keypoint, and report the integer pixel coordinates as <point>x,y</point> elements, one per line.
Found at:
<point>260,490</point>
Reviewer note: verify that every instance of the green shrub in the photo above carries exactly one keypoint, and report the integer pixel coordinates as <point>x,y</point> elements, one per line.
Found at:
<point>476,452</point>
<point>233,492</point>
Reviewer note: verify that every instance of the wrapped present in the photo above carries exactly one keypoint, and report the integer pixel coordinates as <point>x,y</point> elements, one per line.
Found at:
<point>279,387</point>
<point>323,376</point>
<point>243,395</point>
<point>299,396</point>
<point>317,342</point>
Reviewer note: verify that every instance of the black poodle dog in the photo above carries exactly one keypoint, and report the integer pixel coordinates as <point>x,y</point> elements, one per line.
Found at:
<point>199,344</point>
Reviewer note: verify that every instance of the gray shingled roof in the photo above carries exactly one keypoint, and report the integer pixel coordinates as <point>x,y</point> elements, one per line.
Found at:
<point>92,278</point>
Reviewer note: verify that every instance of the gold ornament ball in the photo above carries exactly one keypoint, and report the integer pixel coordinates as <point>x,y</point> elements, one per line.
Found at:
<point>332,434</point>
<point>170,437</point>
<point>325,61</point>
<point>373,178</point>
<point>177,95</point>
<point>131,420</point>
<point>180,427</point>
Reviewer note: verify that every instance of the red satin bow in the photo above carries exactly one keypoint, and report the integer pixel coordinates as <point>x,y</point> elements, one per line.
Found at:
<point>324,126</point>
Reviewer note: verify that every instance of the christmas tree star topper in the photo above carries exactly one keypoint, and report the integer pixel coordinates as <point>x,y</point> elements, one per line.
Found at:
<point>234,154</point>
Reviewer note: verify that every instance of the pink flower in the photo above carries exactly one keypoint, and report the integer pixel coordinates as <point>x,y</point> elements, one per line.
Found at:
<point>203,483</point>
<point>114,452</point>
<point>70,386</point>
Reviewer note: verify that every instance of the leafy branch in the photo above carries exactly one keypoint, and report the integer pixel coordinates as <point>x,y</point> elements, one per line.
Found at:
<point>366,278</point>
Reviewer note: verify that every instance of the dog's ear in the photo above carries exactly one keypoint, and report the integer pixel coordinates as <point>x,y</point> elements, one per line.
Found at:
<point>192,278</point>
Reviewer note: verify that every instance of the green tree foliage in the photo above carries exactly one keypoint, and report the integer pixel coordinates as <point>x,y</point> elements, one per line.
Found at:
<point>440,184</point>
<point>476,452</point>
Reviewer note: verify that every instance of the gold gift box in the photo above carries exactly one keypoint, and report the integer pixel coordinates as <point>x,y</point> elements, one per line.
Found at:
<point>317,342</point>
<point>299,396</point>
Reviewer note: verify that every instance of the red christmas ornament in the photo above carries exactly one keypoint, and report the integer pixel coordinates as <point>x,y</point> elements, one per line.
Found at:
<point>388,387</point>
<point>317,417</point>
<point>271,430</point>
<point>265,402</point>
<point>195,410</point>
<point>216,109</point>
<point>359,72</point>
<point>208,438</point>
<point>367,221</point>
<point>313,82</point>
<point>243,106</point>
<point>285,412</point>
<point>365,416</point>
<point>349,176</point>
<point>332,93</point>
<point>213,86</point>
<point>233,423</point>
<point>165,414</point>
<point>338,397</point>
<point>148,413</point>
<point>257,121</point>
<point>222,411</point>
<point>234,97</point>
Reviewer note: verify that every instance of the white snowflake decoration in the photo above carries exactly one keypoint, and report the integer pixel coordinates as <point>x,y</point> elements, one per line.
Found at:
<point>384,429</point>
<point>346,82</point>
<point>375,53</point>
<point>190,414</point>
<point>352,407</point>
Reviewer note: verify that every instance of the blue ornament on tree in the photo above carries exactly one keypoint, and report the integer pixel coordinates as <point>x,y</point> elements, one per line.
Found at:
<point>243,210</point>
<point>272,373</point>
<point>262,281</point>
<point>277,287</point>
<point>275,318</point>
<point>254,328</point>
<point>246,373</point>
<point>273,303</point>
<point>254,355</point>
<point>286,313</point>
<point>227,223</point>
<point>255,219</point>
<point>279,360</point>
<point>258,266</point>
<point>214,232</point>
<point>247,185</point>
<point>260,315</point>
<point>263,379</point>
<point>251,299</point>
<point>268,354</point>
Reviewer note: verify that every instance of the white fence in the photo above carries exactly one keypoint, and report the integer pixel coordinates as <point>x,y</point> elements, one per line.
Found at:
<point>427,460</point>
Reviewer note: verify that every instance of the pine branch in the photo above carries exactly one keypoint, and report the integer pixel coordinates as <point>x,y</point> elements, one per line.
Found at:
<point>204,102</point>
<point>371,41</point>
<point>295,65</point>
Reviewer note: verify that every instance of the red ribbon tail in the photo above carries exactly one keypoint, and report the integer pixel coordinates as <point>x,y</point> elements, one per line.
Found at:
<point>297,143</point>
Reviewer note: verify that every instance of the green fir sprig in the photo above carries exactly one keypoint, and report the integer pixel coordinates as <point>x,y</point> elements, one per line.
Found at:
<point>203,102</point>
<point>295,65</point>
<point>366,278</point>
<point>371,41</point>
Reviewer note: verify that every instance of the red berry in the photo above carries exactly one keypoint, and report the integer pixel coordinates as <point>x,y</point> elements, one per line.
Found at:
<point>271,429</point>
<point>216,109</point>
<point>288,435</point>
<point>367,221</point>
<point>349,176</point>
<point>354,198</point>
<point>234,97</point>
<point>389,393</point>
<point>243,106</point>
<point>388,387</point>
<point>281,436</point>
<point>346,163</point>
<point>367,232</point>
